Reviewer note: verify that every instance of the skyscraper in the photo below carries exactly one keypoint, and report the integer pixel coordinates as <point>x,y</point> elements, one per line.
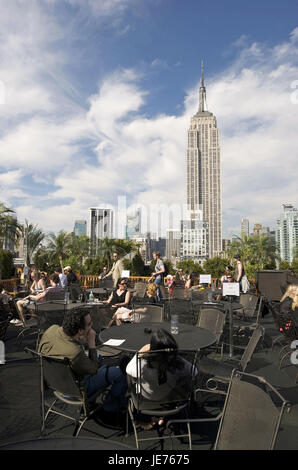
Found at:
<point>203,171</point>
<point>244,226</point>
<point>287,232</point>
<point>101,226</point>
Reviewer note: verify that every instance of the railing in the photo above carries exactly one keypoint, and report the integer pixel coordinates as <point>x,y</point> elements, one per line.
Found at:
<point>10,284</point>
<point>88,280</point>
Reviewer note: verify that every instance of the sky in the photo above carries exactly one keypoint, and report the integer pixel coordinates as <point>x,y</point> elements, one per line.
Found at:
<point>96,98</point>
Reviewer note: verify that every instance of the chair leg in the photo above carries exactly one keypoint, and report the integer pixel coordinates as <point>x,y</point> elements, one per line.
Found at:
<point>284,357</point>
<point>130,411</point>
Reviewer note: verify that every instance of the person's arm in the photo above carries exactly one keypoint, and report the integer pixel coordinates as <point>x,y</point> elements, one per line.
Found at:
<point>239,271</point>
<point>126,301</point>
<point>83,364</point>
<point>110,272</point>
<point>131,368</point>
<point>32,289</point>
<point>38,296</point>
<point>109,299</point>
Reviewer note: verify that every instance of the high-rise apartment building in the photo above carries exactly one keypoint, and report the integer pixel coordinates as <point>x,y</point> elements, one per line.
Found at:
<point>244,226</point>
<point>133,225</point>
<point>173,244</point>
<point>203,172</point>
<point>287,232</point>
<point>101,226</point>
<point>80,227</point>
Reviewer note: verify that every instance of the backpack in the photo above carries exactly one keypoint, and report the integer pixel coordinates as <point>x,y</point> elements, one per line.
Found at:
<point>166,270</point>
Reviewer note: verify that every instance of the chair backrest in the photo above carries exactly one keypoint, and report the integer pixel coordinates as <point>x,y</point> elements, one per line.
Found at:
<point>258,332</point>
<point>212,319</point>
<point>3,328</point>
<point>49,313</point>
<point>74,291</point>
<point>249,303</point>
<point>251,415</point>
<point>59,376</point>
<point>55,294</point>
<point>174,383</point>
<point>180,293</point>
<point>140,288</point>
<point>154,313</point>
<point>107,284</point>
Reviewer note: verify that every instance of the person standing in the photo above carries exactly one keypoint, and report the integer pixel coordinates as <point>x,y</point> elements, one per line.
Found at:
<point>71,277</point>
<point>62,277</point>
<point>116,270</point>
<point>239,271</point>
<point>158,274</point>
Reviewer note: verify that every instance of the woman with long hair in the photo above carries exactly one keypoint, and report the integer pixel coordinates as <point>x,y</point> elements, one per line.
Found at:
<point>289,302</point>
<point>159,369</point>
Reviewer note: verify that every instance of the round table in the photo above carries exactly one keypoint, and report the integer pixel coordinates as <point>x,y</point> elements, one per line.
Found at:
<point>135,336</point>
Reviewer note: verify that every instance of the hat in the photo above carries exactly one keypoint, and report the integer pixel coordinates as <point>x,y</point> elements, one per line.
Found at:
<point>67,268</point>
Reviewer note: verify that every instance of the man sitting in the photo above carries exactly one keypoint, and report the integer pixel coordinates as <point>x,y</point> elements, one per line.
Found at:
<point>67,341</point>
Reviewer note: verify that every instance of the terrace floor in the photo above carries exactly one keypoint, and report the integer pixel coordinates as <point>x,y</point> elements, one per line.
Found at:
<point>20,399</point>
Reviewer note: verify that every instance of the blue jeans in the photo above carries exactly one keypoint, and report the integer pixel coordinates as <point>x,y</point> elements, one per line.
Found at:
<point>116,398</point>
<point>158,280</point>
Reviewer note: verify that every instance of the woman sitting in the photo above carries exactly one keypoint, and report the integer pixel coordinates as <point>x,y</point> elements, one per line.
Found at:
<point>150,297</point>
<point>289,302</point>
<point>159,373</point>
<point>38,285</point>
<point>47,294</point>
<point>228,274</point>
<point>124,314</point>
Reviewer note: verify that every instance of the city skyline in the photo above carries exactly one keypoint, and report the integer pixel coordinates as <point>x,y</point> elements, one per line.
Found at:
<point>96,98</point>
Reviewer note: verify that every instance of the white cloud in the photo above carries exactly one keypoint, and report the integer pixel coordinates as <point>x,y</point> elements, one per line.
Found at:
<point>91,156</point>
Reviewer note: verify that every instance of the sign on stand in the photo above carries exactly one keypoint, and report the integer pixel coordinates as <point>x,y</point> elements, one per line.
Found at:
<point>231,289</point>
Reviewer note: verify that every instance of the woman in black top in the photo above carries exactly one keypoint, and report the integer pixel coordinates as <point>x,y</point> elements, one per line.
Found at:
<point>120,297</point>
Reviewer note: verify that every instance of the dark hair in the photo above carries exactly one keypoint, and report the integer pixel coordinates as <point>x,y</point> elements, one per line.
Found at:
<point>55,278</point>
<point>121,279</point>
<point>58,270</point>
<point>74,320</point>
<point>236,256</point>
<point>165,360</point>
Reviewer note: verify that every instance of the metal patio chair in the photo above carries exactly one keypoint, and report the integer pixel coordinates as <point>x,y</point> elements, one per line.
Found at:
<point>57,376</point>
<point>220,371</point>
<point>176,391</point>
<point>251,416</point>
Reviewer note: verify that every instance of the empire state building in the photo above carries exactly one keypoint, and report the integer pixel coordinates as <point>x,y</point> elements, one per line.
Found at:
<point>203,172</point>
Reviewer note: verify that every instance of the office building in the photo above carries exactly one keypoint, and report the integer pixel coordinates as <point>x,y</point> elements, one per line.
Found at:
<point>194,241</point>
<point>173,244</point>
<point>80,227</point>
<point>203,173</point>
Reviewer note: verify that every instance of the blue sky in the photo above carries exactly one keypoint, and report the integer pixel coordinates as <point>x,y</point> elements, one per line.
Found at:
<point>97,96</point>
